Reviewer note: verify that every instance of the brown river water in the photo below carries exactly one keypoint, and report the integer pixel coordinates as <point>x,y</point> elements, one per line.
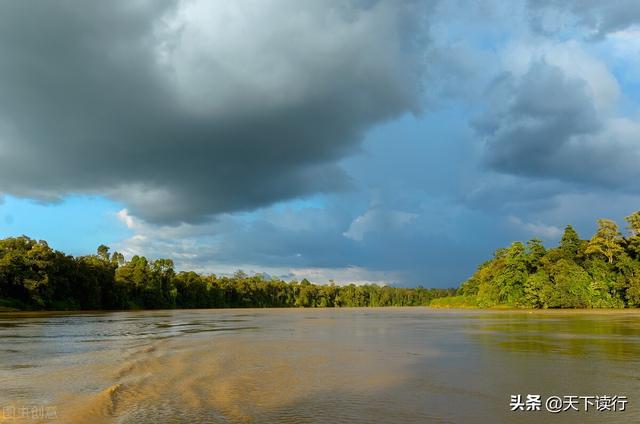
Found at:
<point>388,365</point>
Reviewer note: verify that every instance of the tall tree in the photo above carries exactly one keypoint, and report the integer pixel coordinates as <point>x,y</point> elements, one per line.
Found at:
<point>103,252</point>
<point>633,242</point>
<point>570,243</point>
<point>634,223</point>
<point>606,241</point>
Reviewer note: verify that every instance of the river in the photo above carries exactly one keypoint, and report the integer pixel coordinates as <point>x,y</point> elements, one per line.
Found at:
<point>387,365</point>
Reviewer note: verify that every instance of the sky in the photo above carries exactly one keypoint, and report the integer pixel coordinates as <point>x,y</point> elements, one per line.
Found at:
<point>367,141</point>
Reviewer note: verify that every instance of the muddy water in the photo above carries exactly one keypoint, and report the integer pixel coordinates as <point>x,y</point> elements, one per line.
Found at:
<point>411,365</point>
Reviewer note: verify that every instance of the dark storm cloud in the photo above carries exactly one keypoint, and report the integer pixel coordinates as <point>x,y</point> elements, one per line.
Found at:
<point>185,110</point>
<point>546,124</point>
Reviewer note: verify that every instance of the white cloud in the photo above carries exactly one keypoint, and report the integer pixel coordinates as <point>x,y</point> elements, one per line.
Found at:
<point>537,229</point>
<point>191,251</point>
<point>177,242</point>
<point>378,219</point>
<point>572,59</point>
<point>126,219</point>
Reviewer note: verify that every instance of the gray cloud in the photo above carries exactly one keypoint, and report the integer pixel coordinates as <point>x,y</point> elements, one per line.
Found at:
<point>546,124</point>
<point>186,110</point>
<point>422,251</point>
<point>599,17</point>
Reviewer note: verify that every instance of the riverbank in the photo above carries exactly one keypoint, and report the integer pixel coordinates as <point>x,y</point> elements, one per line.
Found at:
<point>471,303</point>
<point>501,309</point>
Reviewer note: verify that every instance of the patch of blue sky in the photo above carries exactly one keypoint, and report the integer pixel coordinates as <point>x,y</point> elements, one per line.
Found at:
<point>75,225</point>
<point>297,204</point>
<point>315,201</point>
<point>624,65</point>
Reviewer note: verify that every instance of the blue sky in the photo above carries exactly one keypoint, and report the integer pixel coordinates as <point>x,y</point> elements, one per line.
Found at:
<point>388,142</point>
<point>76,225</point>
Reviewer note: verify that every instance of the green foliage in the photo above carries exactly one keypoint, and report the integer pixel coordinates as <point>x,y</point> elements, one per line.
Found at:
<point>633,222</point>
<point>538,289</point>
<point>571,247</point>
<point>633,241</point>
<point>34,276</point>
<point>603,272</point>
<point>571,285</point>
<point>606,241</point>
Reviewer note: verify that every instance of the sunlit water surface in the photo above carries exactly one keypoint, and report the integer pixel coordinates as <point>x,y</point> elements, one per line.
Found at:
<point>395,365</point>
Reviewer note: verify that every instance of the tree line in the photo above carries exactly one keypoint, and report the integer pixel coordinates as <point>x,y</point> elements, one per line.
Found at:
<point>602,272</point>
<point>35,276</point>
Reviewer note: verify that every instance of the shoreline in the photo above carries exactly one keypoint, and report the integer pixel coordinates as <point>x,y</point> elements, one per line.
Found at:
<point>496,310</point>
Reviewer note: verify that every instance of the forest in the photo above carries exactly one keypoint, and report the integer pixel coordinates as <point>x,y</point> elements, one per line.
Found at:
<point>33,276</point>
<point>602,272</point>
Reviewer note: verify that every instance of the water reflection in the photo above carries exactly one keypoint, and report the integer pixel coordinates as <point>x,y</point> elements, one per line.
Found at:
<point>615,336</point>
<point>344,365</point>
